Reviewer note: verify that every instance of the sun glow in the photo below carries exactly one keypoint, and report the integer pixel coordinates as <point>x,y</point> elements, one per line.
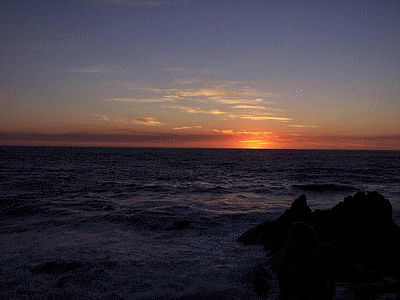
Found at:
<point>255,144</point>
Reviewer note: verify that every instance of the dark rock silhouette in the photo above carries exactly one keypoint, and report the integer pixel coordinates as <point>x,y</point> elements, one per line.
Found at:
<point>271,234</point>
<point>301,269</point>
<point>372,290</point>
<point>360,228</point>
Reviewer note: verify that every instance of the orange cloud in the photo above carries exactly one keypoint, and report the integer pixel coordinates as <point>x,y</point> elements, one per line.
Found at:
<point>249,107</point>
<point>137,100</point>
<point>181,128</point>
<point>303,126</point>
<point>198,110</point>
<point>237,101</point>
<point>202,92</point>
<point>262,118</point>
<point>146,121</point>
<point>139,121</point>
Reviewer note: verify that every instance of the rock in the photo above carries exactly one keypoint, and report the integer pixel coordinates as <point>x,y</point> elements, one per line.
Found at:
<point>360,228</point>
<point>300,208</point>
<point>372,290</point>
<point>264,280</point>
<point>271,233</point>
<point>179,225</point>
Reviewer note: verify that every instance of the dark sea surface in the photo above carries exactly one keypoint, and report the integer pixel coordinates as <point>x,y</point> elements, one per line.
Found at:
<point>92,223</point>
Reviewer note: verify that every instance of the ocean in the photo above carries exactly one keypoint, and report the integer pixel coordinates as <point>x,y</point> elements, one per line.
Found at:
<point>94,223</point>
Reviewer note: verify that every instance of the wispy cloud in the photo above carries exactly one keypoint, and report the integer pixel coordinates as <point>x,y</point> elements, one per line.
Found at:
<point>249,107</point>
<point>262,118</point>
<point>192,110</point>
<point>136,100</point>
<point>138,121</point>
<point>147,122</point>
<point>203,92</point>
<point>254,117</point>
<point>99,69</point>
<point>254,132</point>
<point>187,127</point>
<point>143,3</point>
<point>303,126</point>
<point>130,86</point>
<point>182,128</point>
<point>237,101</point>
<point>224,131</point>
<point>242,103</point>
<point>211,94</point>
<point>103,117</point>
<point>188,81</point>
<point>255,143</point>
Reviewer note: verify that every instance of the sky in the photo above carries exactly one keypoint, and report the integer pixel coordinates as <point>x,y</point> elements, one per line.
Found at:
<point>201,73</point>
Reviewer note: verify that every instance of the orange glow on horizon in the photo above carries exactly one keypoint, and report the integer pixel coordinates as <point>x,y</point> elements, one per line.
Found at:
<point>211,139</point>
<point>255,144</point>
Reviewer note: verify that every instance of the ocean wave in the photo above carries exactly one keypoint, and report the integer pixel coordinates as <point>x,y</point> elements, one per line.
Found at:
<point>94,205</point>
<point>215,189</point>
<point>23,209</point>
<point>325,187</point>
<point>148,188</point>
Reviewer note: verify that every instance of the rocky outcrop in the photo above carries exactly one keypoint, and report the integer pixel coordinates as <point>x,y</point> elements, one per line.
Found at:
<point>271,234</point>
<point>360,228</point>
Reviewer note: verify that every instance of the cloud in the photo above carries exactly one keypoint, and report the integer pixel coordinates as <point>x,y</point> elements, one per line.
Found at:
<point>221,95</point>
<point>137,100</point>
<point>146,121</point>
<point>188,81</point>
<point>237,101</point>
<point>245,99</point>
<point>249,107</point>
<point>192,110</point>
<point>143,2</point>
<point>103,117</point>
<point>241,132</point>
<point>98,69</point>
<point>139,121</point>
<point>255,132</point>
<point>215,94</point>
<point>130,86</point>
<point>303,126</point>
<point>172,98</point>
<point>251,143</point>
<point>228,131</point>
<point>182,128</point>
<point>202,92</point>
<point>262,118</point>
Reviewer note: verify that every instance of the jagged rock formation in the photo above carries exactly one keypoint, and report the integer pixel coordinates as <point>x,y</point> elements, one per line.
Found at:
<point>360,228</point>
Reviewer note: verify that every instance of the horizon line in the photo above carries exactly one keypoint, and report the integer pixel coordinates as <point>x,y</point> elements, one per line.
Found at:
<point>200,148</point>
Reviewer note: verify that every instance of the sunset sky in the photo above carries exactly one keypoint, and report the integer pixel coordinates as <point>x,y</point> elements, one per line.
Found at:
<point>201,73</point>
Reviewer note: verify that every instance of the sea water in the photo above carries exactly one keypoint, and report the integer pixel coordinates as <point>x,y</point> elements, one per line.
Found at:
<point>91,223</point>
